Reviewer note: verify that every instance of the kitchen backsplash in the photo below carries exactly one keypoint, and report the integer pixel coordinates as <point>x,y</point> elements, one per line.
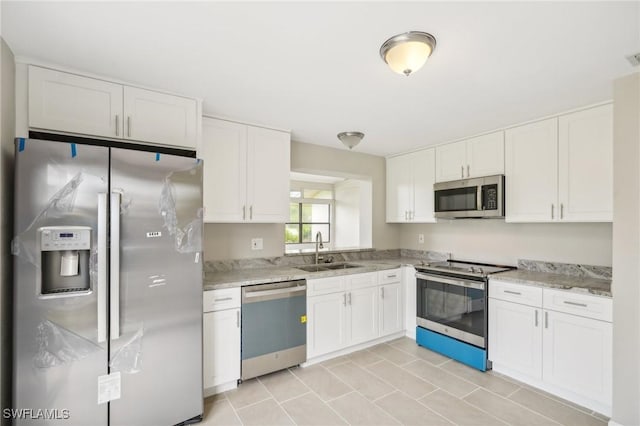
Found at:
<point>308,259</point>
<point>572,269</point>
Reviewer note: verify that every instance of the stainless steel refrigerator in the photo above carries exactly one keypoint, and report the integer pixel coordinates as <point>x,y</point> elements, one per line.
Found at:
<point>107,285</point>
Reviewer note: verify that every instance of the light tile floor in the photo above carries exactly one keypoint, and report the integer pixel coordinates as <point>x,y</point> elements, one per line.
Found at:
<point>391,384</point>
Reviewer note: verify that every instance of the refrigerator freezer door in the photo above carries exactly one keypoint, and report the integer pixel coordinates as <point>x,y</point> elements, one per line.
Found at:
<point>158,347</point>
<point>57,353</point>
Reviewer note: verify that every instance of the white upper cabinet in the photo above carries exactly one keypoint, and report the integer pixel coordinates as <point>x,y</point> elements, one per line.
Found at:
<point>71,103</point>
<point>531,172</point>
<point>585,172</point>
<point>161,118</point>
<point>246,172</point>
<point>65,102</point>
<point>410,179</point>
<point>475,157</point>
<point>561,169</point>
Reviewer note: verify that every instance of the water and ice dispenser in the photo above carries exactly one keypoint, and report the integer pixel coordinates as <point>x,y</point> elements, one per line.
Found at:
<point>65,260</point>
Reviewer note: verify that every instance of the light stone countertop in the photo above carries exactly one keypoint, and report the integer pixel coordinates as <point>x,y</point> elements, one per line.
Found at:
<point>245,277</point>
<point>596,286</point>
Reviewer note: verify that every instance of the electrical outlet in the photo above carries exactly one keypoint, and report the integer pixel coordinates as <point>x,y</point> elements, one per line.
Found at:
<point>256,244</point>
<point>420,238</point>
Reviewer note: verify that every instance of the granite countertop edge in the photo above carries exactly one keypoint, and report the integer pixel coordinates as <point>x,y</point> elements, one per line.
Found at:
<point>246,277</point>
<point>587,285</point>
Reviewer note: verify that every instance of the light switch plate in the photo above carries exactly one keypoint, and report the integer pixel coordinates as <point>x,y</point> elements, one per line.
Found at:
<point>420,238</point>
<point>256,244</point>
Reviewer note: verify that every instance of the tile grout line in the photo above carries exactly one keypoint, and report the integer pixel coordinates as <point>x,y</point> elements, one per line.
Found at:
<point>566,403</point>
<point>278,402</point>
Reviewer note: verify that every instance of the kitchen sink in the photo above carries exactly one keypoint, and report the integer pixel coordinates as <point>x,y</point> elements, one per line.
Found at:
<point>327,267</point>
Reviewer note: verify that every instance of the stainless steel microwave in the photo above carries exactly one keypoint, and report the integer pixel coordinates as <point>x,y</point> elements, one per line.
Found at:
<point>470,198</point>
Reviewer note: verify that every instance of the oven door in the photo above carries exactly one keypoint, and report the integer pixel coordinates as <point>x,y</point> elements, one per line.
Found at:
<point>452,306</point>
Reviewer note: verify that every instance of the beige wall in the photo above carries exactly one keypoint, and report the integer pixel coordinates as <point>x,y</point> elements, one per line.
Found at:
<point>626,251</point>
<point>495,241</point>
<point>230,241</point>
<point>7,133</point>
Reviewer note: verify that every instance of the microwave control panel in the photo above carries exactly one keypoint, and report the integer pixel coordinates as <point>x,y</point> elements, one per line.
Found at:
<point>490,197</point>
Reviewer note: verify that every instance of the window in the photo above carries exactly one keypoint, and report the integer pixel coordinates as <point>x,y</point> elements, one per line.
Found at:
<point>309,213</point>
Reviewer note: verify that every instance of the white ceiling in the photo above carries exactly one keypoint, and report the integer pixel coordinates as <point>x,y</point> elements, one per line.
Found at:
<point>314,68</point>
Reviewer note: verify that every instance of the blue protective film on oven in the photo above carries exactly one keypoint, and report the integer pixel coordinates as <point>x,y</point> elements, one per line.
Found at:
<point>460,351</point>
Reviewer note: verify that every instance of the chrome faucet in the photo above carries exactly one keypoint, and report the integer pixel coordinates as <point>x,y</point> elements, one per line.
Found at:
<point>319,245</point>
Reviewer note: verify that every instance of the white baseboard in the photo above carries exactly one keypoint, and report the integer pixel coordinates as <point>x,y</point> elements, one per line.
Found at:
<point>220,388</point>
<point>350,349</point>
<point>612,423</point>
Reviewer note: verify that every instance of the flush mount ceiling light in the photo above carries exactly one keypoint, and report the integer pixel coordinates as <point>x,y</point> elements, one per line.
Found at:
<point>350,139</point>
<point>407,53</point>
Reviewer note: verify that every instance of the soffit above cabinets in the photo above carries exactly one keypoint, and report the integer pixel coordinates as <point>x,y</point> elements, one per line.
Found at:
<point>314,67</point>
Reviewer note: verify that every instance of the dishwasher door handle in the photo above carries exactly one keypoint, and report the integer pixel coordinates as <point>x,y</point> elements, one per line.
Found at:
<point>288,290</point>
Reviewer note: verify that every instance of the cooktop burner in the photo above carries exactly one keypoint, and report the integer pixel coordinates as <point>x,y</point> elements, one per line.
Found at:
<point>463,268</point>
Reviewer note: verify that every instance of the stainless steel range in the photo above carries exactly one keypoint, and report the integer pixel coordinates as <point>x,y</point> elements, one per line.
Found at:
<point>452,309</point>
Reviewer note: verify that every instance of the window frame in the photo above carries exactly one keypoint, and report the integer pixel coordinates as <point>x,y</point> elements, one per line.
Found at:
<point>301,186</point>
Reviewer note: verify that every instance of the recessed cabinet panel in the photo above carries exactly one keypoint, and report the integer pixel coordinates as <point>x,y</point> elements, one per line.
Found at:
<point>410,179</point>
<point>451,161</point>
<point>485,155</point>
<point>363,318</point>
<point>391,309</point>
<point>221,346</point>
<point>72,103</point>
<point>159,118</point>
<point>326,323</point>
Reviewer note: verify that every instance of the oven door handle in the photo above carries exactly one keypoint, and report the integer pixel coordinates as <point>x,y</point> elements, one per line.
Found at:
<point>460,283</point>
<point>479,206</point>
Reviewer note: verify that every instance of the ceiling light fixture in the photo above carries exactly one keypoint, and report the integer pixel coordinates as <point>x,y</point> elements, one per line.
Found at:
<point>350,139</point>
<point>406,53</point>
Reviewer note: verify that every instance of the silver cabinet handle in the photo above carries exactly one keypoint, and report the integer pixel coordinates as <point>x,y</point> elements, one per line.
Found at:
<point>412,215</point>
<point>117,125</point>
<point>349,298</point>
<point>244,213</point>
<point>406,217</point>
<point>115,266</point>
<point>536,317</point>
<point>129,126</point>
<point>546,320</point>
<point>344,299</point>
<point>517,293</point>
<point>582,305</point>
<point>468,171</point>
<point>462,171</point>
<point>382,292</point>
<point>251,212</point>
<point>222,299</point>
<point>552,207</point>
<point>238,318</point>
<point>392,276</point>
<point>561,210</point>
<point>102,267</point>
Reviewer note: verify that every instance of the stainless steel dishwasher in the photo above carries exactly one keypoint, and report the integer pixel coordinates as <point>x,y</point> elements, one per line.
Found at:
<point>274,327</point>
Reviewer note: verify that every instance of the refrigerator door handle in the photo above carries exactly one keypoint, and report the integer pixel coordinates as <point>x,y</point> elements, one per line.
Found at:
<point>114,289</point>
<point>102,267</point>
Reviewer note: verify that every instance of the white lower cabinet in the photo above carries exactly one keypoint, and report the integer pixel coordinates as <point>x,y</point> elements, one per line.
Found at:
<point>221,340</point>
<point>349,310</point>
<point>556,340</point>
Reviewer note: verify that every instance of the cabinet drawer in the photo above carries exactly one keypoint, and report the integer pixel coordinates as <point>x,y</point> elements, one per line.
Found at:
<point>328,285</point>
<point>389,276</point>
<point>518,293</point>
<point>356,281</point>
<point>596,307</point>
<point>217,300</point>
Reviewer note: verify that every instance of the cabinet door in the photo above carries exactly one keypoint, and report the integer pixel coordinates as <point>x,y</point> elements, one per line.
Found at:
<point>423,166</point>
<point>363,315</point>
<point>221,346</point>
<point>531,172</point>
<point>160,118</point>
<point>268,170</point>
<point>485,155</point>
<point>391,312</point>
<point>585,166</point>
<point>224,151</point>
<point>399,188</point>
<point>70,103</point>
<point>578,355</point>
<point>451,161</point>
<point>326,323</point>
<point>515,337</point>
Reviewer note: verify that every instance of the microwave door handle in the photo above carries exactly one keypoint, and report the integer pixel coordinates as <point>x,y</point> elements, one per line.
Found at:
<point>479,205</point>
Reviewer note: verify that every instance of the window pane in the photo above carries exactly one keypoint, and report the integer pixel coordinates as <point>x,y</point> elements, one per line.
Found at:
<point>294,212</point>
<point>291,234</point>
<point>315,212</point>
<point>295,193</point>
<point>309,231</point>
<point>319,194</point>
